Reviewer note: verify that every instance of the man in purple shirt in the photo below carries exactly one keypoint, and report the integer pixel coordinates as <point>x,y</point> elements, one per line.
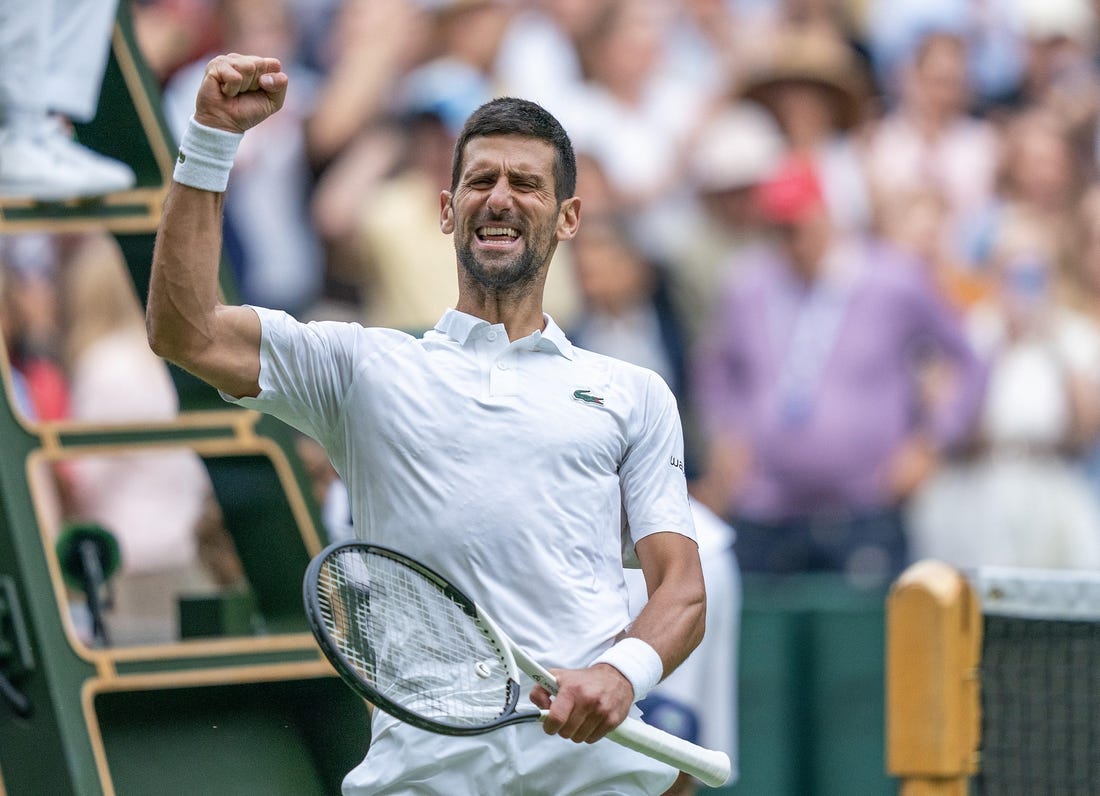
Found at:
<point>813,391</point>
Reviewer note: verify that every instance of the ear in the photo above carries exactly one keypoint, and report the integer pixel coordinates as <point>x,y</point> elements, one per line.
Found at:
<point>569,218</point>
<point>446,213</point>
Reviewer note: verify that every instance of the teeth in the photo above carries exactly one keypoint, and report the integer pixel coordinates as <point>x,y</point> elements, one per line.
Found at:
<point>491,231</point>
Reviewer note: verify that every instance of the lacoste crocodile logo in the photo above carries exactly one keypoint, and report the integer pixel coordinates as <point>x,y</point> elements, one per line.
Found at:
<point>587,397</point>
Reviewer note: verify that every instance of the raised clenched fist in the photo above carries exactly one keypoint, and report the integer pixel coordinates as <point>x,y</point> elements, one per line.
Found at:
<point>240,91</point>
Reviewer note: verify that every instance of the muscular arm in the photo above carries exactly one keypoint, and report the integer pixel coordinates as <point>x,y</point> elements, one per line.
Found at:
<point>593,701</point>
<point>673,620</point>
<point>186,321</point>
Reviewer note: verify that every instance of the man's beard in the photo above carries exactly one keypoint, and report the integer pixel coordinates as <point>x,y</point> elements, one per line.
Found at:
<point>520,273</point>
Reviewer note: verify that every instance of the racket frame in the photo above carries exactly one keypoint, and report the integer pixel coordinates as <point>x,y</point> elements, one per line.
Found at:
<point>350,674</point>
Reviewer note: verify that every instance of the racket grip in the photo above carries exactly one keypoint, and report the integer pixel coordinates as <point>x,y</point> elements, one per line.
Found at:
<point>707,765</point>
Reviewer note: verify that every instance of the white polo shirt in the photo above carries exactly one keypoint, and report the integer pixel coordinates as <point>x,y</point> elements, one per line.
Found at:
<point>511,468</point>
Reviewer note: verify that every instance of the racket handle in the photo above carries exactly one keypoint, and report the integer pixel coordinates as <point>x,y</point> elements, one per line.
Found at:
<point>709,766</point>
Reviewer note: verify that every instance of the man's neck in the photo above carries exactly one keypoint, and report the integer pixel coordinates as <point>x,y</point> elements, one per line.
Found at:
<point>520,315</point>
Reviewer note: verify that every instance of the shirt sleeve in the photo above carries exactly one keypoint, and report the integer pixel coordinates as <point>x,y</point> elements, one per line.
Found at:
<point>651,476</point>
<point>305,370</point>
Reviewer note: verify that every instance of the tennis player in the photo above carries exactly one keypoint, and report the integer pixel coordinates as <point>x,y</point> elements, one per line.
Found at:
<point>519,466</point>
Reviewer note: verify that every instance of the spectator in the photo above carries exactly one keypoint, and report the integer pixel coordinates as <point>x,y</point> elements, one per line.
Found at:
<point>627,309</point>
<point>600,197</point>
<point>818,92</point>
<point>459,76</point>
<point>638,120</point>
<point>706,42</point>
<point>405,261</point>
<point>808,392</point>
<point>993,29</point>
<point>1041,175</point>
<point>931,142</point>
<point>737,148</point>
<point>917,221</point>
<point>354,141</point>
<point>539,54</point>
<point>1061,73</point>
<point>1022,499</point>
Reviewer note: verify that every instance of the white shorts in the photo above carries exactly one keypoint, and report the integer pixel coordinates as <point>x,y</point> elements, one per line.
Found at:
<point>519,760</point>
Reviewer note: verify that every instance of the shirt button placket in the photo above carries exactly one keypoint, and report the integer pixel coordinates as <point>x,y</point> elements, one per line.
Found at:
<point>503,379</point>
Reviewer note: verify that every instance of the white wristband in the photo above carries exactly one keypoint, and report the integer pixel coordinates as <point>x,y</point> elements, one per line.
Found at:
<point>205,157</point>
<point>637,662</point>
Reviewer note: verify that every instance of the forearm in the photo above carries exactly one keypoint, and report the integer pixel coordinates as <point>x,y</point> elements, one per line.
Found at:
<point>593,700</point>
<point>183,288</point>
<point>673,620</point>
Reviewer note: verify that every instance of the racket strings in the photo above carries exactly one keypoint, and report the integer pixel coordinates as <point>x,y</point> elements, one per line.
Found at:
<point>411,642</point>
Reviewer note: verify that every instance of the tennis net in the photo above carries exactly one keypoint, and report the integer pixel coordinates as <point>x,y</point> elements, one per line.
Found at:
<point>1040,682</point>
<point>994,681</point>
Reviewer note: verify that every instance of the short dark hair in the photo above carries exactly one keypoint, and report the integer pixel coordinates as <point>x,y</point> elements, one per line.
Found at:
<point>513,116</point>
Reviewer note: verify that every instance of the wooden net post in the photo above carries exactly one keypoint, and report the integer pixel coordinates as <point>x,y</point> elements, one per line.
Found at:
<point>933,712</point>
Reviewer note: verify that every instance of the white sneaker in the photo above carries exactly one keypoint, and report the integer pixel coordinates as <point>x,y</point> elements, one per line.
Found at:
<point>48,165</point>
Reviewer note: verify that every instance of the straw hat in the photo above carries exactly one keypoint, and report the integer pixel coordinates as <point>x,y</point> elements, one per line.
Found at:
<point>816,58</point>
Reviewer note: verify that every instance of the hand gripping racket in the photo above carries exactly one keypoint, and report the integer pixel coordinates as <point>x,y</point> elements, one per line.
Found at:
<point>416,647</point>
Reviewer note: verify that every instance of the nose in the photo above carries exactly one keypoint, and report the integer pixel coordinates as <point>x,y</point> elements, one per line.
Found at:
<point>500,197</point>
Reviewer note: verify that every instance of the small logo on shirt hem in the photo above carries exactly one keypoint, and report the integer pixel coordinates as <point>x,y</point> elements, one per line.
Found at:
<point>586,396</point>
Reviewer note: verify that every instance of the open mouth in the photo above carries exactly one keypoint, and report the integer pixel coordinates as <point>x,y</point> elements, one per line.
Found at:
<point>497,236</point>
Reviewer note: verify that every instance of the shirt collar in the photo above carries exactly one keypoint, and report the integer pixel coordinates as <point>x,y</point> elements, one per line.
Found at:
<point>462,327</point>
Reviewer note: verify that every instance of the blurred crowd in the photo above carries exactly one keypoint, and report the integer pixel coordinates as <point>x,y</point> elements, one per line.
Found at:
<point>860,239</point>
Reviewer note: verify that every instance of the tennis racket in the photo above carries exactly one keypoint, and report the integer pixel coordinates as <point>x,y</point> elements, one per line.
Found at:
<point>413,645</point>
